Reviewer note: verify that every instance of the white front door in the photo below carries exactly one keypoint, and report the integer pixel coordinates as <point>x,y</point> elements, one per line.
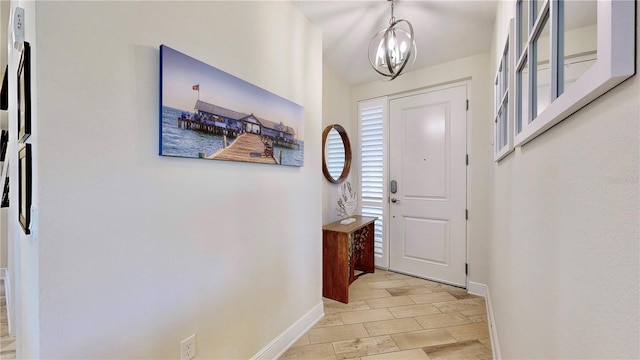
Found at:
<point>427,160</point>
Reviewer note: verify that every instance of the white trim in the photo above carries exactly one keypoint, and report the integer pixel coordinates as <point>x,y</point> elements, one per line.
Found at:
<point>475,288</point>
<point>283,342</point>
<point>493,332</point>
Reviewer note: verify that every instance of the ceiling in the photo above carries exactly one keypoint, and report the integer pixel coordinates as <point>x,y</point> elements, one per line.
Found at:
<point>444,30</point>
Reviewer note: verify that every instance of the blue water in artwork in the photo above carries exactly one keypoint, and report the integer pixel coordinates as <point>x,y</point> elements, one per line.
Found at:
<point>182,142</point>
<point>190,143</point>
<point>290,156</point>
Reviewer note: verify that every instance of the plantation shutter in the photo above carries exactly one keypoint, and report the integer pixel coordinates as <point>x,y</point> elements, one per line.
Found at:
<point>372,179</point>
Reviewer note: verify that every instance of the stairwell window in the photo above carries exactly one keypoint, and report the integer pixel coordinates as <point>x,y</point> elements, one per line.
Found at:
<point>372,118</point>
<point>569,53</point>
<point>503,114</point>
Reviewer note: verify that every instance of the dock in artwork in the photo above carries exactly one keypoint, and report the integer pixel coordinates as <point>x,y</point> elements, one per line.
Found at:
<point>248,147</point>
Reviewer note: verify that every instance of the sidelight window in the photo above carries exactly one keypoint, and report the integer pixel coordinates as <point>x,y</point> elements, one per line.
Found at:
<point>372,115</point>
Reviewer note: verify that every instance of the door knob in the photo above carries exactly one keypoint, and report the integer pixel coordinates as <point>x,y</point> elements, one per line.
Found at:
<point>394,200</point>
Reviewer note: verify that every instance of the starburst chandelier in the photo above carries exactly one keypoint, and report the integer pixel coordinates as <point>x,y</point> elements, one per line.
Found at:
<point>391,49</point>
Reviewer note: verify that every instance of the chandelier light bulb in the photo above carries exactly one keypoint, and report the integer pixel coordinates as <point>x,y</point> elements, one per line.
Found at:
<point>392,43</point>
<point>380,57</point>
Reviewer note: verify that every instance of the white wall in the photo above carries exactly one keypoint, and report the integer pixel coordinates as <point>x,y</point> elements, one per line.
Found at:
<point>4,245</point>
<point>23,250</point>
<point>336,109</point>
<point>136,251</point>
<point>564,277</point>
<point>475,70</point>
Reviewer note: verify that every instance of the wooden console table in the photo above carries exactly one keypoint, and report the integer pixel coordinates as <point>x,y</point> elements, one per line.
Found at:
<point>346,248</point>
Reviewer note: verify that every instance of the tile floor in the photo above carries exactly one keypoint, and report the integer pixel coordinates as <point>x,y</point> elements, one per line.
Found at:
<point>389,317</point>
<point>7,343</point>
<point>395,316</point>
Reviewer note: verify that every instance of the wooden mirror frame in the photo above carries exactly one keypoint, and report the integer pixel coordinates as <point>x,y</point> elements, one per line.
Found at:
<point>347,154</point>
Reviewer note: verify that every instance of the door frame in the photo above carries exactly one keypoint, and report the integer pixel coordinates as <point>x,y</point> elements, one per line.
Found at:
<point>386,175</point>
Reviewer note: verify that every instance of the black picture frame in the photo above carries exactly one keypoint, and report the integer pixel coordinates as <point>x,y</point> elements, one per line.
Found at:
<point>24,93</point>
<point>4,92</point>
<point>24,188</point>
<point>4,203</point>
<point>4,143</point>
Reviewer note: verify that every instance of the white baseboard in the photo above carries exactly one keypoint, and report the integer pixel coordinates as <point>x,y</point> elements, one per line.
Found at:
<point>283,342</point>
<point>493,332</point>
<point>483,290</point>
<point>477,289</point>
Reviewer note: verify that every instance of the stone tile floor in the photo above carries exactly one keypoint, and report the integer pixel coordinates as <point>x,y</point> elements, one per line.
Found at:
<point>395,316</point>
<point>7,343</point>
<point>389,317</point>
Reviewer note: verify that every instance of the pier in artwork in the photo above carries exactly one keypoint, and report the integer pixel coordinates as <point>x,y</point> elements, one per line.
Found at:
<point>248,147</point>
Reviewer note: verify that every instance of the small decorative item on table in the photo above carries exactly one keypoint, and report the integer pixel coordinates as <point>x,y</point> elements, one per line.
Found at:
<point>347,203</point>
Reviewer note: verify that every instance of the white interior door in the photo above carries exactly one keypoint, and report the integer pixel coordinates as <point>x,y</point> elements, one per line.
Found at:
<point>427,159</point>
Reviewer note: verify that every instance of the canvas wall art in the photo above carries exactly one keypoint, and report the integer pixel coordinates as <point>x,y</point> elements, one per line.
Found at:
<point>207,113</point>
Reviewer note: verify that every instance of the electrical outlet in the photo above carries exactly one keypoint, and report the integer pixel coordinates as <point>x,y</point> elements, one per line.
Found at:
<point>188,348</point>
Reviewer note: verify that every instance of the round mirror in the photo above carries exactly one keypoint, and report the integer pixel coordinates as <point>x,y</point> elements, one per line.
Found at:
<point>336,153</point>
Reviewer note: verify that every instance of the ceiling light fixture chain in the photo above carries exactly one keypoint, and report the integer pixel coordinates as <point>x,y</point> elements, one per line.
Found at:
<point>393,18</point>
<point>391,49</point>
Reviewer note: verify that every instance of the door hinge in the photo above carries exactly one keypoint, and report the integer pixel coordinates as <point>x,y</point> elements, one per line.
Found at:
<point>467,157</point>
<point>466,214</point>
<point>467,104</point>
<point>466,269</point>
